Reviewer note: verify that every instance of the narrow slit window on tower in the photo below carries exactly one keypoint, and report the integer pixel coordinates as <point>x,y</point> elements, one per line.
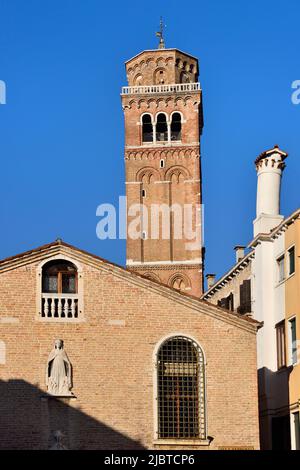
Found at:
<point>147,128</point>
<point>161,128</point>
<point>143,193</point>
<point>176,127</point>
<point>181,390</point>
<point>162,163</point>
<point>144,235</point>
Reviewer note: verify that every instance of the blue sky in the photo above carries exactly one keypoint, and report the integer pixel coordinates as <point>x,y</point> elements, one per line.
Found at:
<point>62,136</point>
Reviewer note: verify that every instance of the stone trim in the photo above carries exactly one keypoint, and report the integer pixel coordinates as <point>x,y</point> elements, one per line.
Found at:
<point>182,442</point>
<point>282,227</point>
<point>167,267</point>
<point>157,153</point>
<point>195,262</point>
<point>156,51</point>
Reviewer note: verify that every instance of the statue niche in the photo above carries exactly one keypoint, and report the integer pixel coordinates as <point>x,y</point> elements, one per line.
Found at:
<point>58,372</point>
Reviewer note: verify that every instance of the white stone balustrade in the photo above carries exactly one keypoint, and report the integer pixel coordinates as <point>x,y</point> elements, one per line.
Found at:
<point>59,306</point>
<point>173,88</point>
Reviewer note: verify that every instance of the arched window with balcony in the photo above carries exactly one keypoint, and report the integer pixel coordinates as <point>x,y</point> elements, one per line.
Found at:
<point>147,128</point>
<point>161,128</point>
<point>59,290</point>
<point>181,390</point>
<point>176,127</point>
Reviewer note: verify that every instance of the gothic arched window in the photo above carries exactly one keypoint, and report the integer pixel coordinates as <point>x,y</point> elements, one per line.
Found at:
<point>176,127</point>
<point>181,390</point>
<point>161,128</point>
<point>147,128</point>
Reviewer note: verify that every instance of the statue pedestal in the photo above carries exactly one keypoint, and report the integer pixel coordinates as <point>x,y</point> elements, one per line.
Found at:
<point>63,398</point>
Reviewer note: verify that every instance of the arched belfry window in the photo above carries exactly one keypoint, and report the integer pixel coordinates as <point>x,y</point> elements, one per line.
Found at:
<point>176,127</point>
<point>184,77</point>
<point>59,290</point>
<point>161,128</point>
<point>181,390</point>
<point>147,128</point>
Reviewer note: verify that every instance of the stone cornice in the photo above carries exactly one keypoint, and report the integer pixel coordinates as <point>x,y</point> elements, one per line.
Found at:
<point>164,267</point>
<point>157,153</point>
<point>277,231</point>
<point>160,52</point>
<point>128,101</point>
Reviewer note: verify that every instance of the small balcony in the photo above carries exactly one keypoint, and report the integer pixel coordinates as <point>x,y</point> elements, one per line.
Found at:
<point>155,89</point>
<point>59,306</point>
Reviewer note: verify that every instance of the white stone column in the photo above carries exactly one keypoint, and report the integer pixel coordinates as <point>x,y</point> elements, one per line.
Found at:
<point>269,167</point>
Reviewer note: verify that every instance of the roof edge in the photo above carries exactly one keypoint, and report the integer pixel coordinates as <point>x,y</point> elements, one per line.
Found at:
<point>266,153</point>
<point>161,50</point>
<point>228,273</point>
<point>190,300</point>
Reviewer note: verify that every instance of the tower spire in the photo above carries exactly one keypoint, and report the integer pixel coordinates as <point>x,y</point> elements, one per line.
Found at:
<point>160,35</point>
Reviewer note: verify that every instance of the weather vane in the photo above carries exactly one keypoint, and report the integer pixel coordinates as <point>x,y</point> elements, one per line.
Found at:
<point>160,35</point>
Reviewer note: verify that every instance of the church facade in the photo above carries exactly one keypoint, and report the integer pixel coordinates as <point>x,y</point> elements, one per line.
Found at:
<point>95,356</point>
<point>150,367</point>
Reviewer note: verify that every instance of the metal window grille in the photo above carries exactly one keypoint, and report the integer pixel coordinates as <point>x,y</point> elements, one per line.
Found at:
<point>181,390</point>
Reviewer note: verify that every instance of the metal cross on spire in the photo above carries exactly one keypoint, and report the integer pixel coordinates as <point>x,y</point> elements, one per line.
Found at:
<point>160,35</point>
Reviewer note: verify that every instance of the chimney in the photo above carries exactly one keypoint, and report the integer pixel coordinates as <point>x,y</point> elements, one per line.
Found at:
<point>269,168</point>
<point>211,279</point>
<point>239,252</point>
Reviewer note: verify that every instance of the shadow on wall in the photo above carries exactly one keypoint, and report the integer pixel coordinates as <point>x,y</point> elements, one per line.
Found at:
<point>29,419</point>
<point>274,415</point>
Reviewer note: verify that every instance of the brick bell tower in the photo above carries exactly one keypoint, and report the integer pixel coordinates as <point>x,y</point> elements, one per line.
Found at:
<point>163,124</point>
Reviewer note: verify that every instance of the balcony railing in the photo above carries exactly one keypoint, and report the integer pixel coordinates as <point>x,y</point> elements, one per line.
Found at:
<point>59,306</point>
<point>154,89</point>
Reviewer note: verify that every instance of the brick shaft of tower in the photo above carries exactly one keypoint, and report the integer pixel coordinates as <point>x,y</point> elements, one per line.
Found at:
<point>163,123</point>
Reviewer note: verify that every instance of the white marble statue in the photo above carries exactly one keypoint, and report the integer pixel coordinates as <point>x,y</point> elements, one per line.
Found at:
<point>58,373</point>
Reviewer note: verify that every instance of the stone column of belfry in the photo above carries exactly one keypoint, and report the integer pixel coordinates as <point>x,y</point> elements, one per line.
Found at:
<point>163,124</point>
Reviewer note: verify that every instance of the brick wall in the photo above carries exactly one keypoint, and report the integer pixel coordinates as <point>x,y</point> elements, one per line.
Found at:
<point>111,352</point>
